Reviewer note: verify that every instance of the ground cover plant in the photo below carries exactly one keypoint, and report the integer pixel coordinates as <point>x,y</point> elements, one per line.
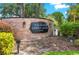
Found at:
<point>6,43</point>
<point>70,52</point>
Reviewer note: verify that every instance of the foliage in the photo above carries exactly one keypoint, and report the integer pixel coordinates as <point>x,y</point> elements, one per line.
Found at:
<point>53,20</point>
<point>72,52</point>
<point>76,42</point>
<point>34,10</point>
<point>73,12</point>
<point>58,16</point>
<point>23,10</point>
<point>69,28</point>
<point>6,43</point>
<point>10,10</point>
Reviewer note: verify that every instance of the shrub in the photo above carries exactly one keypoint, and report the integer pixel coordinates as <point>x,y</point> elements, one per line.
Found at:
<point>76,42</point>
<point>69,28</point>
<point>6,43</point>
<point>4,27</point>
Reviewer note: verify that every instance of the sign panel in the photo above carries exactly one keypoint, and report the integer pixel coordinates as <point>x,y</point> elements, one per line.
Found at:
<point>39,27</point>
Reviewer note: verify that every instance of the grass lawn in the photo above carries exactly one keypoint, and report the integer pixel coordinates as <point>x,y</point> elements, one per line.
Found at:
<point>61,53</point>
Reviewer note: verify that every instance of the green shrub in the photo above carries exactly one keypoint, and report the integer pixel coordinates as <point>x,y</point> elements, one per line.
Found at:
<point>76,42</point>
<point>69,28</point>
<point>6,43</point>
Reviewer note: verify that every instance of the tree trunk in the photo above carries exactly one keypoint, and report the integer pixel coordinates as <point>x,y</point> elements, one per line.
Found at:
<point>74,18</point>
<point>22,9</point>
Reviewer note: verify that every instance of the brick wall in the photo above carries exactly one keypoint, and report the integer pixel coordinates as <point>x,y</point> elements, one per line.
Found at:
<point>24,33</point>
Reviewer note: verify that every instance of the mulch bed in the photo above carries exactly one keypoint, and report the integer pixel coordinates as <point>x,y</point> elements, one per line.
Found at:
<point>40,46</point>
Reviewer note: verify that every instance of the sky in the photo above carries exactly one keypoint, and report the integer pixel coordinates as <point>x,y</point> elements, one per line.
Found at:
<point>51,8</point>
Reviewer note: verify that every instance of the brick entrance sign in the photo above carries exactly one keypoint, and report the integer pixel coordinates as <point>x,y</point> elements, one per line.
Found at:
<point>28,30</point>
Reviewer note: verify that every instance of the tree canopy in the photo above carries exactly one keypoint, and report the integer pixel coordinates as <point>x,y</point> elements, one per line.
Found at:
<point>23,10</point>
<point>73,12</point>
<point>58,16</point>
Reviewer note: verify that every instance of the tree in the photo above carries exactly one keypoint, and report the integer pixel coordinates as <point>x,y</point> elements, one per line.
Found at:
<point>21,9</point>
<point>58,16</point>
<point>34,10</point>
<point>24,10</point>
<point>73,12</point>
<point>10,10</point>
<point>51,18</point>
